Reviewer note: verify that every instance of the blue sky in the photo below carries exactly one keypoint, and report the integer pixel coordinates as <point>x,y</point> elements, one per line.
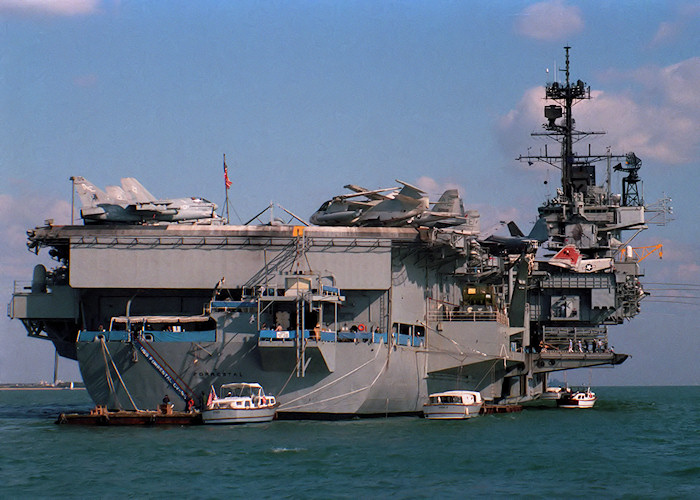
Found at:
<point>304,97</point>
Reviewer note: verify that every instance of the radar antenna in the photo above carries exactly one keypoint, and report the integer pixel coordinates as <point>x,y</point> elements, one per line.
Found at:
<point>630,191</point>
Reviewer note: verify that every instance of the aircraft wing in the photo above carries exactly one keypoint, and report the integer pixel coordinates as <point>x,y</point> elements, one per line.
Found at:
<point>442,214</point>
<point>154,208</point>
<point>355,187</point>
<point>439,219</point>
<point>375,194</point>
<point>92,212</point>
<point>355,204</point>
<point>410,191</point>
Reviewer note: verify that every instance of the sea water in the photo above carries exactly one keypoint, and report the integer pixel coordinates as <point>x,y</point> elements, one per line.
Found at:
<point>636,442</point>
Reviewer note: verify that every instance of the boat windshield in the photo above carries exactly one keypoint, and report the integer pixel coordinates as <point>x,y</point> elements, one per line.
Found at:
<point>240,391</point>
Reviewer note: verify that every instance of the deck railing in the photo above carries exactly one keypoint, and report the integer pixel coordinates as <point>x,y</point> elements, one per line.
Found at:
<point>591,339</point>
<point>440,310</point>
<point>444,315</point>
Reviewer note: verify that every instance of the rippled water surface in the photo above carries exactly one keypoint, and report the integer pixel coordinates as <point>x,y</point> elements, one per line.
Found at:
<point>636,442</point>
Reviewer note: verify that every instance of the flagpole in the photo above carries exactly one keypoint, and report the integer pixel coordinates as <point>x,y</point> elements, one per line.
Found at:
<point>72,199</point>
<point>228,219</point>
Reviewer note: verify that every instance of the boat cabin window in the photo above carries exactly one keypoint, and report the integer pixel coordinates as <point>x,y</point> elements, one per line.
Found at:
<point>445,399</point>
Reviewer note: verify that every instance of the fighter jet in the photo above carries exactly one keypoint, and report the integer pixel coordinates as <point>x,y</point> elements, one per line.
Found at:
<point>448,211</point>
<point>391,207</point>
<point>133,204</point>
<point>397,209</point>
<point>570,258</point>
<point>517,242</point>
<point>345,210</point>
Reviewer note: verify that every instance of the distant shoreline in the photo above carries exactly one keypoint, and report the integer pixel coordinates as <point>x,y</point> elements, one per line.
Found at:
<point>43,387</point>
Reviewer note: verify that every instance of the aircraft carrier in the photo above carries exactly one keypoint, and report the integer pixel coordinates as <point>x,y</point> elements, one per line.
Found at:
<point>364,315</point>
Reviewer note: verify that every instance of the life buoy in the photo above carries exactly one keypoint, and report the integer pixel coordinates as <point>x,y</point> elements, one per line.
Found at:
<point>361,327</point>
<point>263,400</point>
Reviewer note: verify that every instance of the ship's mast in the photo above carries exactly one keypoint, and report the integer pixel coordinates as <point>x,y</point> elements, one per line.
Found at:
<point>567,95</point>
<point>577,171</point>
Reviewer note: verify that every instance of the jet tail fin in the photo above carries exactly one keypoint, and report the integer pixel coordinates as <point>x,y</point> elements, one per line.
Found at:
<point>514,230</point>
<point>89,194</point>
<point>118,194</point>
<point>450,202</point>
<point>569,257</point>
<point>539,231</point>
<point>136,191</point>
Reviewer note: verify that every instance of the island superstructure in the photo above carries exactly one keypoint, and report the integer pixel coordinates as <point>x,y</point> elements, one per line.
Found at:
<point>365,315</point>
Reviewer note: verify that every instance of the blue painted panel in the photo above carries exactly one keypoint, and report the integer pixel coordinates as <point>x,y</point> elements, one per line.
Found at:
<point>278,335</point>
<point>186,336</point>
<point>233,304</point>
<point>123,336</point>
<point>381,337</point>
<point>342,336</point>
<point>115,336</point>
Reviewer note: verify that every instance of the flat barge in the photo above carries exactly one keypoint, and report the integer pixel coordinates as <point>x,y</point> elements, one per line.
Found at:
<point>102,416</point>
<point>490,409</point>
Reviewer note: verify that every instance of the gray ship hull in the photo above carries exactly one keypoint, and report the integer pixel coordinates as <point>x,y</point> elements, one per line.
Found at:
<point>368,379</point>
<point>340,379</point>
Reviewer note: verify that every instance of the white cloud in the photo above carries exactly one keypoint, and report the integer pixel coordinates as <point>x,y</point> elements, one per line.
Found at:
<point>435,188</point>
<point>675,85</point>
<point>670,31</point>
<point>680,263</point>
<point>491,214</point>
<point>658,121</point>
<point>19,212</point>
<point>527,115</point>
<point>23,359</point>
<point>50,7</point>
<point>550,21</point>
<point>666,31</point>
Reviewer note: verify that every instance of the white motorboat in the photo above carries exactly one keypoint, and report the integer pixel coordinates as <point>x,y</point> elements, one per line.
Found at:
<point>453,405</point>
<point>239,403</point>
<point>555,393</point>
<point>579,399</point>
